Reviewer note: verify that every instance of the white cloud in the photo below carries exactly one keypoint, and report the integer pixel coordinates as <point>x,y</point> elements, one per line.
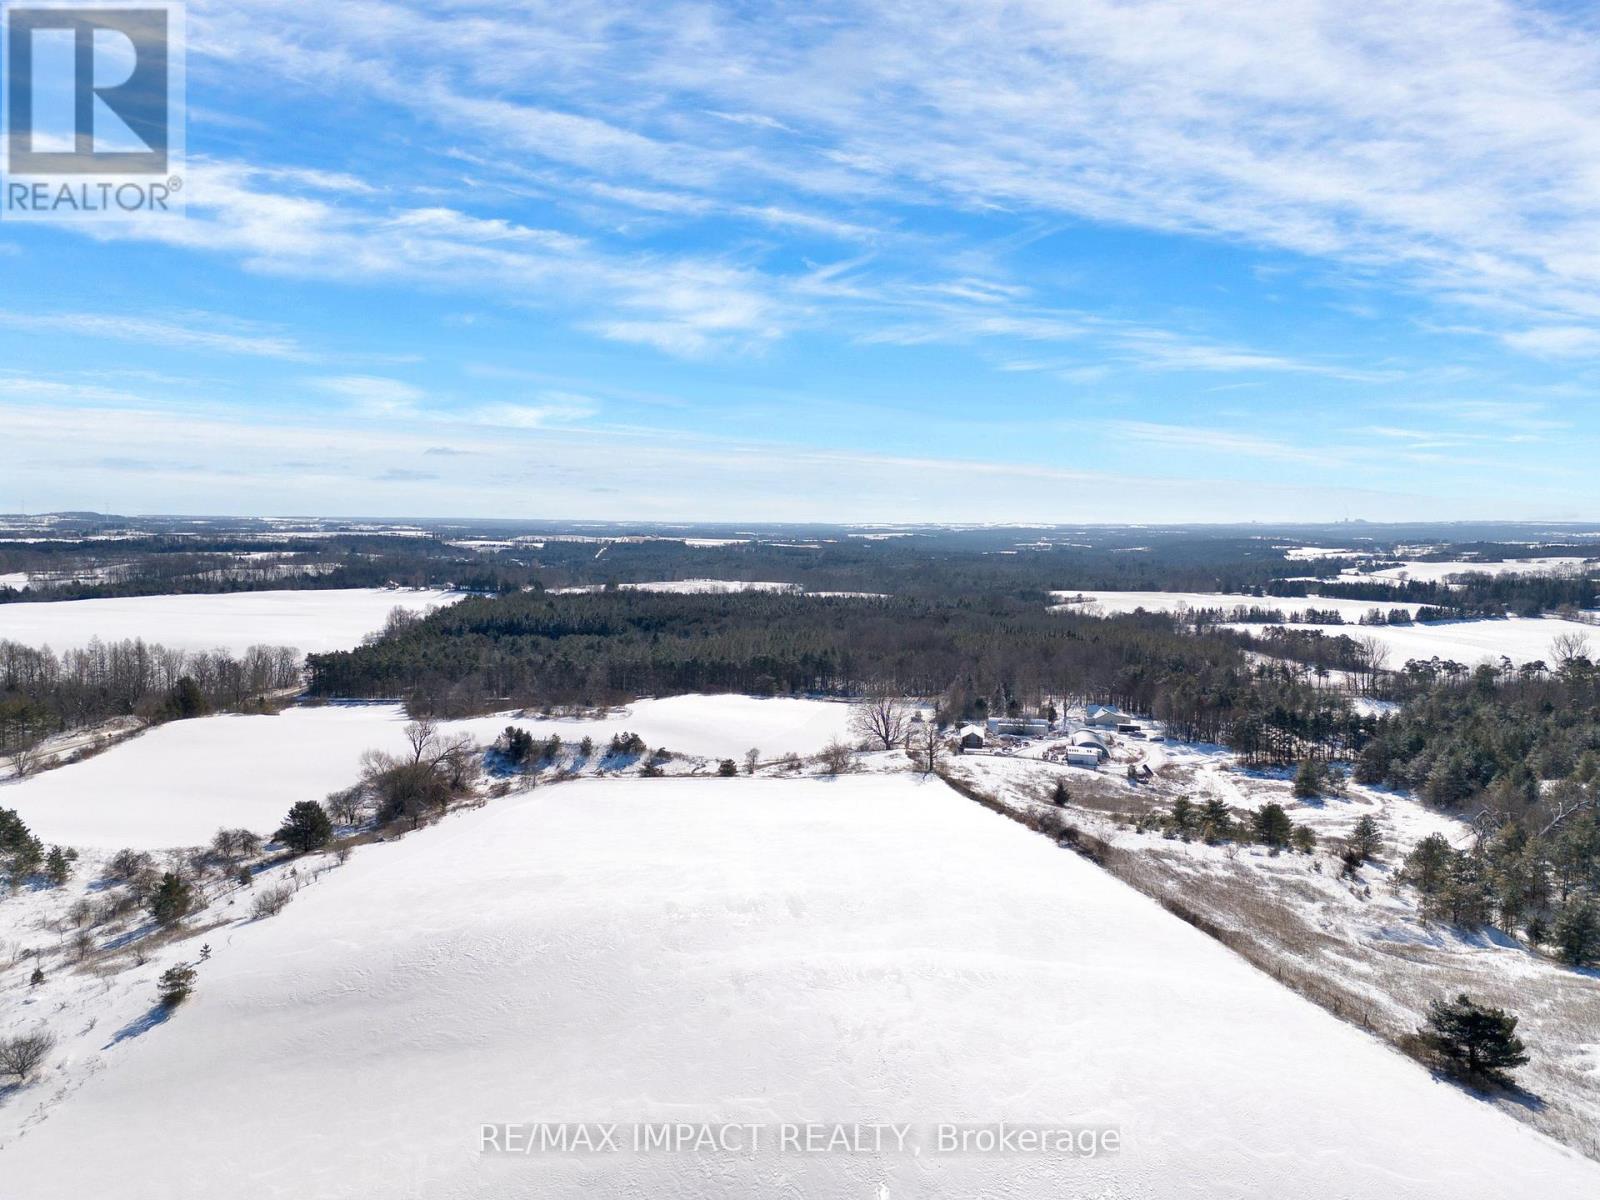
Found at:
<point>373,395</point>
<point>556,409</point>
<point>682,304</point>
<point>139,459</point>
<point>1454,147</point>
<point>183,331</point>
<point>1556,341</point>
<point>1222,442</point>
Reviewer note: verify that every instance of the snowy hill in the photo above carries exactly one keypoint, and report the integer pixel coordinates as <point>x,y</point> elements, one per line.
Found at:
<point>872,949</point>
<point>178,783</point>
<point>310,620</point>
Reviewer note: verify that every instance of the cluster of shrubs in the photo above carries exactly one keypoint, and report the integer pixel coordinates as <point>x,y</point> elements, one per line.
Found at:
<point>1213,821</point>
<point>23,1054</point>
<point>435,769</point>
<point>522,751</point>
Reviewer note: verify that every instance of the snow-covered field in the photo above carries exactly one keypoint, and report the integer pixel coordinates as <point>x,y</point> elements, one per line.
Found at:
<point>178,783</point>
<point>691,587</point>
<point>1435,571</point>
<point>311,621</point>
<point>1521,639</point>
<point>1308,553</point>
<point>871,949</point>
<point>1109,602</point>
<point>1362,945</point>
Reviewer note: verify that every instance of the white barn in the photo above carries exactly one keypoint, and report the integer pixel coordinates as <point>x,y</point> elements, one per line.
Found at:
<point>1018,726</point>
<point>1106,716</point>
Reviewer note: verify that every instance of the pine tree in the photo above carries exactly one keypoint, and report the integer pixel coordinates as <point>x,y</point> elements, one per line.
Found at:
<point>1474,1041</point>
<point>27,854</point>
<point>1466,899</point>
<point>175,984</point>
<point>58,865</point>
<point>1365,839</point>
<point>1272,826</point>
<point>1216,820</point>
<point>172,899</point>
<point>1577,933</point>
<point>306,828</point>
<point>186,700</point>
<point>1427,867</point>
<point>1538,930</point>
<point>1061,795</point>
<point>1307,780</point>
<point>1184,816</point>
<point>37,977</point>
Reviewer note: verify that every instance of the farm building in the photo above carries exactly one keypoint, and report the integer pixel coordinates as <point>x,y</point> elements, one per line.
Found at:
<point>1019,726</point>
<point>1106,716</point>
<point>1083,756</point>
<point>1089,740</point>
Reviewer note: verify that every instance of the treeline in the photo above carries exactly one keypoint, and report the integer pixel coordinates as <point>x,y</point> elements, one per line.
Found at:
<point>981,657</point>
<point>42,693</point>
<point>181,566</point>
<point>1473,594</point>
<point>1020,564</point>
<point>1253,614</point>
<point>1490,734</point>
<point>600,648</point>
<point>1283,717</point>
<point>1516,750</point>
<point>1538,872</point>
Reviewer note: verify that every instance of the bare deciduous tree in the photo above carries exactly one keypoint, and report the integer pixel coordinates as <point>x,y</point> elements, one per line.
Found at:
<point>271,901</point>
<point>882,719</point>
<point>346,804</point>
<point>423,738</point>
<point>26,758</point>
<point>926,746</point>
<point>23,1054</point>
<point>1565,647</point>
<point>836,758</point>
<point>1372,656</point>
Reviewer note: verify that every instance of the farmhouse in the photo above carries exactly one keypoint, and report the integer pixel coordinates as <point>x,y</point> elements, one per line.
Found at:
<point>1106,716</point>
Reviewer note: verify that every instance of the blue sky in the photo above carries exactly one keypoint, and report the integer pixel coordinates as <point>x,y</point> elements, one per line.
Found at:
<point>1068,261</point>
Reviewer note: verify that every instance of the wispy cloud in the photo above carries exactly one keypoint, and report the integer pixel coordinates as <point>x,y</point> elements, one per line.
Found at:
<point>1556,341</point>
<point>136,454</point>
<point>183,331</point>
<point>681,304</point>
<point>1453,152</point>
<point>1220,442</point>
<point>565,212</point>
<point>373,395</point>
